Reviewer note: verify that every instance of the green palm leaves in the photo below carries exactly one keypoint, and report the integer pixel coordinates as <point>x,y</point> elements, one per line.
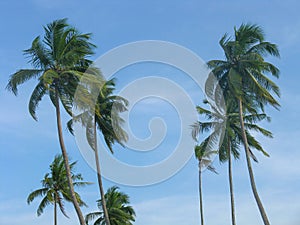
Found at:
<point>243,72</point>
<point>119,210</point>
<point>59,60</point>
<point>55,188</point>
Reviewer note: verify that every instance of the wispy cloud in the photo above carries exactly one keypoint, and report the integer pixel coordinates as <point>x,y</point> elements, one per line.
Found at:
<point>27,214</point>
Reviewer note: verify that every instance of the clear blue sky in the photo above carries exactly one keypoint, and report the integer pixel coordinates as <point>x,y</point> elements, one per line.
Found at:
<point>28,147</point>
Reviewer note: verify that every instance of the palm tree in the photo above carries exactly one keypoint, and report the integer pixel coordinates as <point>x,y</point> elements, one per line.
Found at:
<point>103,115</point>
<point>232,137</point>
<point>55,188</point>
<point>242,76</point>
<point>119,210</point>
<point>203,156</point>
<point>59,61</point>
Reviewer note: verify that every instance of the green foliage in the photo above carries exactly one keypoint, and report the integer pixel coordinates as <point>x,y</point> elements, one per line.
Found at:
<point>119,210</point>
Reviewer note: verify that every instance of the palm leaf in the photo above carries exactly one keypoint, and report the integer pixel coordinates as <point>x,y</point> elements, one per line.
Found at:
<point>37,193</point>
<point>36,96</point>
<point>21,77</point>
<point>43,205</point>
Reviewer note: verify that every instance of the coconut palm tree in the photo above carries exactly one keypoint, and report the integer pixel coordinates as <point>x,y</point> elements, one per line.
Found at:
<point>55,188</point>
<point>203,156</point>
<point>232,138</point>
<point>104,116</point>
<point>59,59</point>
<point>119,210</point>
<point>243,78</point>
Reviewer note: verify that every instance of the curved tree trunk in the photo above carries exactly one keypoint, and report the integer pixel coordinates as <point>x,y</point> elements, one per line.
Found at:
<point>251,175</point>
<point>200,196</point>
<point>103,201</point>
<point>231,184</point>
<point>55,212</point>
<point>66,161</point>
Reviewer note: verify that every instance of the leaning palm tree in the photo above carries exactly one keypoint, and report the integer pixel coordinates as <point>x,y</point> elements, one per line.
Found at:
<point>59,60</point>
<point>55,188</point>
<point>119,210</point>
<point>242,76</point>
<point>232,137</point>
<point>102,115</point>
<point>203,155</point>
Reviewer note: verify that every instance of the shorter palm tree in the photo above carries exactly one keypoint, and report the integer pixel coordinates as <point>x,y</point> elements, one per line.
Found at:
<point>55,188</point>
<point>204,155</point>
<point>228,127</point>
<point>119,210</point>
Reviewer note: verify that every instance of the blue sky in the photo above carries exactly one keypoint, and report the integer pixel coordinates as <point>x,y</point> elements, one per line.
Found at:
<point>28,147</point>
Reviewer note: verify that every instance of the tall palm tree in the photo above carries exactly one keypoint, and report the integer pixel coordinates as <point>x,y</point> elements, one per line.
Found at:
<point>119,210</point>
<point>55,188</point>
<point>104,115</point>
<point>59,60</point>
<point>242,76</point>
<point>232,138</point>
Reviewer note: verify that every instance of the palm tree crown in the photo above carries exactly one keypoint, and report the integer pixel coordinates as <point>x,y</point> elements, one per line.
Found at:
<point>58,60</point>
<point>243,72</point>
<point>119,210</point>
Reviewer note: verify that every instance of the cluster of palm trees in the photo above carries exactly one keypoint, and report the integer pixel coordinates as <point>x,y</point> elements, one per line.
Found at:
<point>59,61</point>
<point>60,64</point>
<point>55,191</point>
<point>242,77</point>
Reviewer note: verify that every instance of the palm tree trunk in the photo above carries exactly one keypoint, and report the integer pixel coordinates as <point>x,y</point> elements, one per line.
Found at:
<point>231,184</point>
<point>251,175</point>
<point>200,196</point>
<point>103,201</point>
<point>66,160</point>
<point>55,212</point>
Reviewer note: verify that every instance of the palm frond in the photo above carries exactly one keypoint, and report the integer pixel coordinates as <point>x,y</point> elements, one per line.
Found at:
<point>39,55</point>
<point>37,193</point>
<point>43,205</point>
<point>92,216</point>
<point>36,96</point>
<point>21,77</point>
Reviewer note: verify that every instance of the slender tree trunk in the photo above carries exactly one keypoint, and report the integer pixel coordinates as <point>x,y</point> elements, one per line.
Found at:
<point>200,196</point>
<point>251,175</point>
<point>66,161</point>
<point>231,184</point>
<point>103,201</point>
<point>55,212</point>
